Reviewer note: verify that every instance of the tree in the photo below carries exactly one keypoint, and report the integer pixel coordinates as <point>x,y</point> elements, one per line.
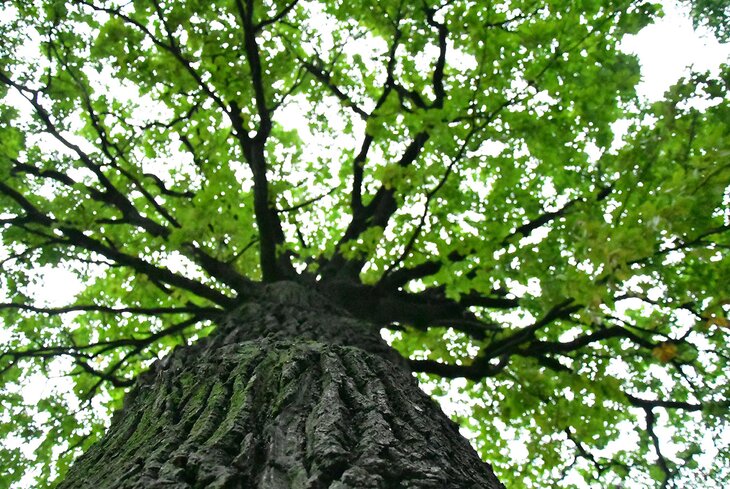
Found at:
<point>272,182</point>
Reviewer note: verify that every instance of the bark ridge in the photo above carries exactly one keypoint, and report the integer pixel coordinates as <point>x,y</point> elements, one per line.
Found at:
<point>281,396</point>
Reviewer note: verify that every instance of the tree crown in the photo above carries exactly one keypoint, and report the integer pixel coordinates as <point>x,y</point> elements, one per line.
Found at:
<point>448,170</point>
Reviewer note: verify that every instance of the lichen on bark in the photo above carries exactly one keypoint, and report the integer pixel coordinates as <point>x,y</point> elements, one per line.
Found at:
<point>289,392</point>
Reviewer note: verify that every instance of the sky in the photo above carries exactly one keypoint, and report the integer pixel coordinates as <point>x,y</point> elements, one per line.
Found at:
<point>665,50</point>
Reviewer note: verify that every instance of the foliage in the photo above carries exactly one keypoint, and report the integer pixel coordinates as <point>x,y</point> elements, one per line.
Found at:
<point>712,14</point>
<point>457,162</point>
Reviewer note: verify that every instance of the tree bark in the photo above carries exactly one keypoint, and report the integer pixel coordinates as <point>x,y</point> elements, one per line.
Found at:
<point>289,392</point>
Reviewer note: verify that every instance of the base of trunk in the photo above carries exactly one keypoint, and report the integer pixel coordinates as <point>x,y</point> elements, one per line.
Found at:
<point>283,409</point>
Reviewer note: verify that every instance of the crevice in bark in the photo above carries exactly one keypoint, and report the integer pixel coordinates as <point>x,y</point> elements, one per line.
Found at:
<point>289,392</point>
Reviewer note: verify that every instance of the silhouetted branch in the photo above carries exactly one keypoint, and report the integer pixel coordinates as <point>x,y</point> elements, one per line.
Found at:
<point>475,371</point>
<point>276,18</point>
<point>144,311</point>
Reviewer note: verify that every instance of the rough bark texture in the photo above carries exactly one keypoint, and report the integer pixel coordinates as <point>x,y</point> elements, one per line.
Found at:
<point>288,393</point>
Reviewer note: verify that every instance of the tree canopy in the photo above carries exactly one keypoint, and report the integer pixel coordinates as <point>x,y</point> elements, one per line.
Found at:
<point>452,169</point>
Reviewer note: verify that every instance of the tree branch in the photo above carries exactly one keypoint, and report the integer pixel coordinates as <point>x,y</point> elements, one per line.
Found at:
<point>171,47</point>
<point>437,80</point>
<point>274,266</point>
<point>326,80</point>
<point>475,371</point>
<point>276,18</point>
<point>666,404</point>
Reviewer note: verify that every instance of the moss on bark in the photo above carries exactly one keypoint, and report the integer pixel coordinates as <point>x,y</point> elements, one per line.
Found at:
<point>288,393</point>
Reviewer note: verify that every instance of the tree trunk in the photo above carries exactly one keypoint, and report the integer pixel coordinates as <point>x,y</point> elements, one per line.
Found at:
<point>289,392</point>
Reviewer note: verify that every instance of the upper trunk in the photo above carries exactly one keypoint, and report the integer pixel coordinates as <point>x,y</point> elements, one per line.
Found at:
<point>289,392</point>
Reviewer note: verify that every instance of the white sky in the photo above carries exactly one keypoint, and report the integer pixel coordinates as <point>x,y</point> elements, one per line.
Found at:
<point>665,49</point>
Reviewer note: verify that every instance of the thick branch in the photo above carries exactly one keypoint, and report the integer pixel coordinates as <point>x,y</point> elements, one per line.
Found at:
<point>111,195</point>
<point>78,238</point>
<point>506,345</point>
<point>376,214</point>
<point>253,57</point>
<point>437,79</point>
<point>551,347</point>
<point>666,404</point>
<point>661,460</point>
<point>422,310</point>
<point>144,311</point>
<point>475,371</point>
<point>223,271</point>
